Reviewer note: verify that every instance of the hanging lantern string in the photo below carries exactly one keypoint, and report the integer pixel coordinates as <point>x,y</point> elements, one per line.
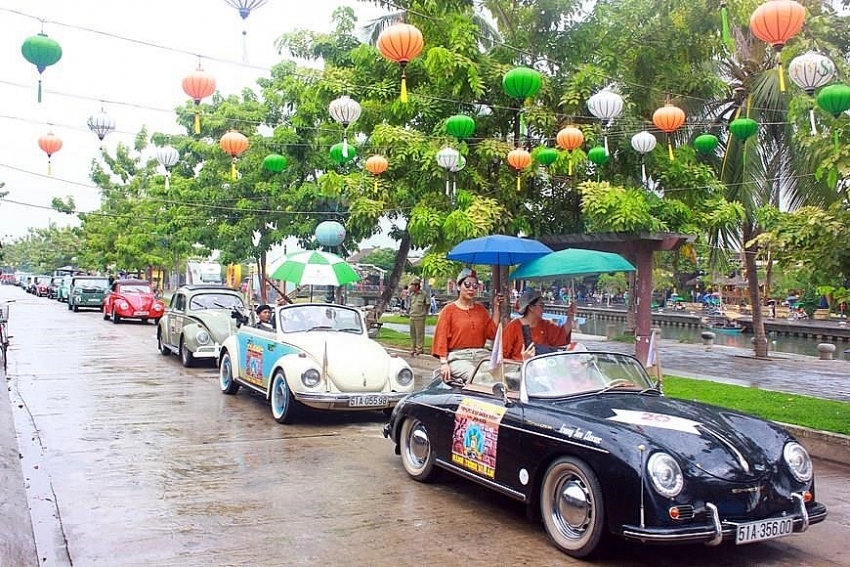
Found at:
<point>650,88</point>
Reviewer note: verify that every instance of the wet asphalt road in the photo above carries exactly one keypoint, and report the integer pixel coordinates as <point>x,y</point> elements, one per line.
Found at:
<point>130,459</point>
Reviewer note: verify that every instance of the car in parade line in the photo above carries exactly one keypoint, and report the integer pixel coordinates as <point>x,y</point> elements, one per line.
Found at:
<point>87,291</point>
<point>318,355</point>
<point>64,288</point>
<point>41,286</point>
<point>197,320</point>
<point>132,299</point>
<point>592,446</point>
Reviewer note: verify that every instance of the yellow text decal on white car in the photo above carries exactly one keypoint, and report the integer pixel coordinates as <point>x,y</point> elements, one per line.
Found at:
<point>476,436</point>
<point>649,419</point>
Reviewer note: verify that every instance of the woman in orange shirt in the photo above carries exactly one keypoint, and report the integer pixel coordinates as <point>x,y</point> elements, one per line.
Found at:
<point>463,328</point>
<point>531,334</point>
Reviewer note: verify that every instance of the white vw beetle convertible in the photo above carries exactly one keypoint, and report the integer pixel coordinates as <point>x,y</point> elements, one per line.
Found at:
<point>316,355</point>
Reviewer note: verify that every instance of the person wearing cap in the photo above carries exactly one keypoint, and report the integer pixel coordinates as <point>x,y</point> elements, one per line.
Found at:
<point>463,327</point>
<point>417,309</point>
<point>531,334</point>
<point>264,316</point>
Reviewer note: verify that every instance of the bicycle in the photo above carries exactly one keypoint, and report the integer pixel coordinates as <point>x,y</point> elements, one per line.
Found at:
<point>4,332</point>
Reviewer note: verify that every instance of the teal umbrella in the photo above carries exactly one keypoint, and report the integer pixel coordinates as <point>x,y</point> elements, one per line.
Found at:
<point>313,268</point>
<point>572,262</point>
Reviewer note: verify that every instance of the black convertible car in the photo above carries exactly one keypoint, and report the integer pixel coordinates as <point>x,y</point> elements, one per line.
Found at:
<point>589,441</point>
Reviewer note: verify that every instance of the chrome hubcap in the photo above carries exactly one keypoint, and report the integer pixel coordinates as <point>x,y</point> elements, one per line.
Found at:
<point>572,508</point>
<point>419,447</point>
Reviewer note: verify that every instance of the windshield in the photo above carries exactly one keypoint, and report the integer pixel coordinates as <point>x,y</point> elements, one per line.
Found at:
<point>215,300</point>
<point>92,283</point>
<point>135,288</point>
<point>301,318</point>
<point>567,373</point>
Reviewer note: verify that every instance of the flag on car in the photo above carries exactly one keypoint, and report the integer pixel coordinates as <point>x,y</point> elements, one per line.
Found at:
<point>496,355</point>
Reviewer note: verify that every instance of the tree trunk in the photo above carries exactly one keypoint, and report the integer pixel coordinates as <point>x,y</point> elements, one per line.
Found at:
<point>398,269</point>
<point>759,336</point>
<point>631,304</point>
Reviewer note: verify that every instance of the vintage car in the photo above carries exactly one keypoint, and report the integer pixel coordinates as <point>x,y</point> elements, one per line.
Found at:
<point>87,291</point>
<point>196,322</point>
<point>588,441</point>
<point>132,299</point>
<point>41,286</point>
<point>64,288</point>
<point>317,355</point>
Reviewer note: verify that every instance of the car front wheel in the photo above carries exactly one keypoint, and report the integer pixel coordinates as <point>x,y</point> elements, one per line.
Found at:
<point>115,317</point>
<point>417,453</point>
<point>163,348</point>
<point>282,402</point>
<point>225,375</point>
<point>186,356</point>
<point>572,507</point>
<point>105,314</point>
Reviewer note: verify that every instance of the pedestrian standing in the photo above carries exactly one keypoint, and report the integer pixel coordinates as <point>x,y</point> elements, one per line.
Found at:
<point>418,306</point>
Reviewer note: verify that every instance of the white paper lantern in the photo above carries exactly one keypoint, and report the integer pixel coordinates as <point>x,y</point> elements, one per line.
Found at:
<point>449,159</point>
<point>810,71</point>
<point>605,105</point>
<point>101,124</point>
<point>167,158</point>
<point>643,143</point>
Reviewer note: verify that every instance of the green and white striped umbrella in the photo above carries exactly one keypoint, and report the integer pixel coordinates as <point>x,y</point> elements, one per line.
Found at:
<point>313,268</point>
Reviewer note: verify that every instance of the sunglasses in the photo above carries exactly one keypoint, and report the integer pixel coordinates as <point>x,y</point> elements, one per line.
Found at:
<point>468,284</point>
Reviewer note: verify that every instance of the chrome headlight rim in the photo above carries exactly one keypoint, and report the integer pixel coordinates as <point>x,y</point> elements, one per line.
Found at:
<point>404,377</point>
<point>311,378</point>
<point>202,337</point>
<point>798,461</point>
<point>123,305</point>
<point>665,475</point>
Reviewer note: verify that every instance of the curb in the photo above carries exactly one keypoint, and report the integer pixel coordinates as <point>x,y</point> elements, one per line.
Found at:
<point>833,447</point>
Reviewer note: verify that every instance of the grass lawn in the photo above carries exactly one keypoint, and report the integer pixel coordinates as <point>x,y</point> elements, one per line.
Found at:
<point>385,318</point>
<point>815,413</point>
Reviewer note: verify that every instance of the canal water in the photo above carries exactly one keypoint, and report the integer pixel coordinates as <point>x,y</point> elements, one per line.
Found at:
<point>778,343</point>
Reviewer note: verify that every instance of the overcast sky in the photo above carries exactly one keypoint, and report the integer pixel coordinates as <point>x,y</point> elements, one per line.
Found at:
<point>139,83</point>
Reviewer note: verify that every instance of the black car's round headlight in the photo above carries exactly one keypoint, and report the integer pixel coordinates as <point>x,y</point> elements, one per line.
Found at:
<point>310,377</point>
<point>798,461</point>
<point>665,474</point>
<point>404,377</point>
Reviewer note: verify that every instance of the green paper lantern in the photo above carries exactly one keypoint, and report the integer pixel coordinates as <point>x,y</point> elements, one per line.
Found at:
<point>340,157</point>
<point>460,126</point>
<point>547,156</point>
<point>521,82</point>
<point>598,155</point>
<point>42,52</point>
<point>834,98</point>
<point>743,128</point>
<point>274,163</point>
<point>706,143</point>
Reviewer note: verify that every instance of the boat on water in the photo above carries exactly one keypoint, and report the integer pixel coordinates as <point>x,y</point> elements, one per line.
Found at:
<point>724,327</point>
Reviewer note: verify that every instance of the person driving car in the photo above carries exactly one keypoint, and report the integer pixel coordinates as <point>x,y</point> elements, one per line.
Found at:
<point>264,314</point>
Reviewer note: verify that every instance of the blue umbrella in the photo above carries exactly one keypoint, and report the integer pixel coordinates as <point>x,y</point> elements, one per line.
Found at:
<point>572,262</point>
<point>498,250</point>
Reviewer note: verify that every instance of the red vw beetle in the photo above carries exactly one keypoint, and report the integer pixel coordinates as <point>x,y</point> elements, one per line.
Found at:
<point>132,299</point>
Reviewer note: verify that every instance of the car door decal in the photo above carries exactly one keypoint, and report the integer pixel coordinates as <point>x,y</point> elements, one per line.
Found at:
<point>475,437</point>
<point>254,363</point>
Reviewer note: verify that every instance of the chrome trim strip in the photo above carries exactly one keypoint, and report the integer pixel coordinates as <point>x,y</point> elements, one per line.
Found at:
<point>715,520</point>
<point>668,538</point>
<point>329,398</point>
<point>485,481</point>
<point>804,514</point>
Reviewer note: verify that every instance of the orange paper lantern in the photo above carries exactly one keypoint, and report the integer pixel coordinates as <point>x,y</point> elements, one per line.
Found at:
<point>570,138</point>
<point>198,85</point>
<point>376,165</point>
<point>669,118</point>
<point>519,159</point>
<point>775,22</point>
<point>233,143</point>
<point>49,144</point>
<point>401,43</point>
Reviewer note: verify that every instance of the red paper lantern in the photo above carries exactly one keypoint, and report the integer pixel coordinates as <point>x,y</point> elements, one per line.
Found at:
<point>49,144</point>
<point>669,118</point>
<point>233,143</point>
<point>570,138</point>
<point>198,85</point>
<point>401,43</point>
<point>376,165</point>
<point>519,159</point>
<point>775,22</point>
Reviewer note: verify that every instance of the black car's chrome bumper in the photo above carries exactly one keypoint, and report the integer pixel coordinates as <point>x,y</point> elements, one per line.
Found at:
<point>715,531</point>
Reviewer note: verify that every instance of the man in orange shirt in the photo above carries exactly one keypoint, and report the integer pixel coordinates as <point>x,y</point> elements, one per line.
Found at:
<point>463,327</point>
<point>531,334</point>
